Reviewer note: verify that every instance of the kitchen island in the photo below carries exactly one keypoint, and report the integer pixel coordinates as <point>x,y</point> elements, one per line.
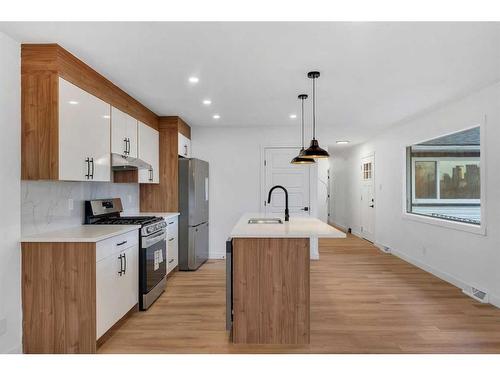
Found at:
<point>268,284</point>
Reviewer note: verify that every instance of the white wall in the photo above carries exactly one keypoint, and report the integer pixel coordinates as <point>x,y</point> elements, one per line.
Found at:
<point>234,155</point>
<point>10,195</point>
<point>459,257</point>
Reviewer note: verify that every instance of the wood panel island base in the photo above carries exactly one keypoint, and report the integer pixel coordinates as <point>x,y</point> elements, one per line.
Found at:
<point>269,283</point>
<point>271,290</point>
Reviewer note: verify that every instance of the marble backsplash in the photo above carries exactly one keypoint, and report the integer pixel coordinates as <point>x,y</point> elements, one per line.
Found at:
<point>46,206</point>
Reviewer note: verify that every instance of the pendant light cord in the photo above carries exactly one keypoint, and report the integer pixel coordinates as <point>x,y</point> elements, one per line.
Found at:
<point>314,107</point>
<point>302,123</point>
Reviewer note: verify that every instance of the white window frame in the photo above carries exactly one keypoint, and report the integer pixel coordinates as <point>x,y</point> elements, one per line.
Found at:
<point>444,223</point>
<point>438,200</point>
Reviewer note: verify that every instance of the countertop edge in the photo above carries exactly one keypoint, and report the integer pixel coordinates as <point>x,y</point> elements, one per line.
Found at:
<point>35,238</point>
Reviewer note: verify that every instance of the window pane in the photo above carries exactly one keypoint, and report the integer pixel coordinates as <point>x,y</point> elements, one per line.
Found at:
<point>454,194</point>
<point>459,179</point>
<point>425,180</point>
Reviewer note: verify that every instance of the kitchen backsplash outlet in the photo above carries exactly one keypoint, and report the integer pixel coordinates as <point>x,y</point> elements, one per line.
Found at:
<point>45,204</point>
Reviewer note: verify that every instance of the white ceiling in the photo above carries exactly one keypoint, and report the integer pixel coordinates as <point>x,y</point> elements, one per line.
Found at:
<point>372,74</point>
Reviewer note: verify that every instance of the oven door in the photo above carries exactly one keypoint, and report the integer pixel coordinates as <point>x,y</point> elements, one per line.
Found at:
<point>154,260</point>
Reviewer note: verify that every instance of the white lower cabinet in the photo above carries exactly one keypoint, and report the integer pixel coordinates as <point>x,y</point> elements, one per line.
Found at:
<point>172,243</point>
<point>117,279</point>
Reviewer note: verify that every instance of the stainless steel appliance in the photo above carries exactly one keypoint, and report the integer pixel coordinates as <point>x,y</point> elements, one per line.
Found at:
<point>193,207</point>
<point>152,245</point>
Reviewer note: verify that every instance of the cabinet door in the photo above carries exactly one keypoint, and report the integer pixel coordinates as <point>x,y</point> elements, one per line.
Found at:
<point>184,146</point>
<point>173,243</point>
<point>107,296</point>
<point>149,151</point>
<point>129,281</point>
<point>123,133</point>
<point>116,291</point>
<point>84,135</point>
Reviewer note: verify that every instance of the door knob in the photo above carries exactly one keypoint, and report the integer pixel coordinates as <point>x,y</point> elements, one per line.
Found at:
<point>372,205</point>
<point>305,209</point>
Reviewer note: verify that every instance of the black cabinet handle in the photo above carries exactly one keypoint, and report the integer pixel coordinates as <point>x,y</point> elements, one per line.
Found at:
<point>125,264</point>
<point>151,175</point>
<point>305,209</point>
<point>92,162</point>
<point>128,149</point>
<point>121,243</point>
<point>126,146</point>
<point>185,150</point>
<point>88,168</point>
<point>121,265</point>
<point>171,239</point>
<point>170,261</point>
<point>171,222</point>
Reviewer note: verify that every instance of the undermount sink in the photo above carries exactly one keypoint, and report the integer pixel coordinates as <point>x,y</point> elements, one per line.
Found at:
<point>265,220</point>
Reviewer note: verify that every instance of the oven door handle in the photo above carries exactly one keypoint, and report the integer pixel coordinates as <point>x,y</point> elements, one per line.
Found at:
<point>149,241</point>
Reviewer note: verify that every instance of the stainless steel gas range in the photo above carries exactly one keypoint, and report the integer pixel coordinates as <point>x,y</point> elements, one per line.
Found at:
<point>152,245</point>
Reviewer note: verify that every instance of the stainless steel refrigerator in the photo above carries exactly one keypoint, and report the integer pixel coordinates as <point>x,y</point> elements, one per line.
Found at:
<point>193,207</point>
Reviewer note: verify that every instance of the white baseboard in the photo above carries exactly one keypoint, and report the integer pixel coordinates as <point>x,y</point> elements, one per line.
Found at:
<point>218,255</point>
<point>494,300</point>
<point>462,285</point>
<point>440,274</point>
<point>338,225</point>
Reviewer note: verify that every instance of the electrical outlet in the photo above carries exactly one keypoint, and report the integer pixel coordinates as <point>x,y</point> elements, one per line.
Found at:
<point>70,204</point>
<point>3,326</point>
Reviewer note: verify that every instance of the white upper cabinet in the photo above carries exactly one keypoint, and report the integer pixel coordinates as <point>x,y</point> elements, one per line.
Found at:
<point>84,135</point>
<point>184,146</point>
<point>123,133</point>
<point>149,151</point>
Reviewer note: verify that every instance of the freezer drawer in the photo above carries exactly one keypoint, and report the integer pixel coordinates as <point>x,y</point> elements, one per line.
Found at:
<point>197,248</point>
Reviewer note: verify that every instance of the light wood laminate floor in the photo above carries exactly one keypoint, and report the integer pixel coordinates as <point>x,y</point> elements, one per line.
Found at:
<point>362,301</point>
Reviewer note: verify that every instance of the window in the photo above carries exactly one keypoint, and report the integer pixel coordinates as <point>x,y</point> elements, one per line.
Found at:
<point>367,171</point>
<point>443,177</point>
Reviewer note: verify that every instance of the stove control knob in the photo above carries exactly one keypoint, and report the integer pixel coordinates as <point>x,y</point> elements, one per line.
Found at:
<point>149,230</point>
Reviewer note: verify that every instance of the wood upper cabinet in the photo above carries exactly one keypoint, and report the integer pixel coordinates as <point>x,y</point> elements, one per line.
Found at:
<point>149,151</point>
<point>123,133</point>
<point>84,135</point>
<point>184,145</point>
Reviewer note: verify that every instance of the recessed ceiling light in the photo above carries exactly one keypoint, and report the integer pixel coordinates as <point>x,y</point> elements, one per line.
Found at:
<point>73,102</point>
<point>207,102</point>
<point>106,116</point>
<point>342,142</point>
<point>216,117</point>
<point>194,79</point>
<point>293,116</point>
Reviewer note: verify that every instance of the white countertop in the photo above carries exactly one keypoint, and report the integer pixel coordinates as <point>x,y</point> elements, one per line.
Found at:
<point>162,214</point>
<point>297,227</point>
<point>82,233</point>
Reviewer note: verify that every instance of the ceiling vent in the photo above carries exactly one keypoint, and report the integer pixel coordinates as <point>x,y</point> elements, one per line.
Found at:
<point>477,294</point>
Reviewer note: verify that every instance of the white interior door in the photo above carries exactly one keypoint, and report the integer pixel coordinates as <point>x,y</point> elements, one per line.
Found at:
<point>294,177</point>
<point>368,198</point>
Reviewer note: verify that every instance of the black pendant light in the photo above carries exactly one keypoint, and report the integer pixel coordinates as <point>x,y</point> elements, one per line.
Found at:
<point>300,159</point>
<point>314,151</point>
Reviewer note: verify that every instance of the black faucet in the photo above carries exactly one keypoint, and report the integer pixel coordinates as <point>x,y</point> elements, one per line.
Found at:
<point>287,217</point>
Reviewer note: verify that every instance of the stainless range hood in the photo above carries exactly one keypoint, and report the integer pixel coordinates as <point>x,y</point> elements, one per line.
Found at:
<point>120,163</point>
